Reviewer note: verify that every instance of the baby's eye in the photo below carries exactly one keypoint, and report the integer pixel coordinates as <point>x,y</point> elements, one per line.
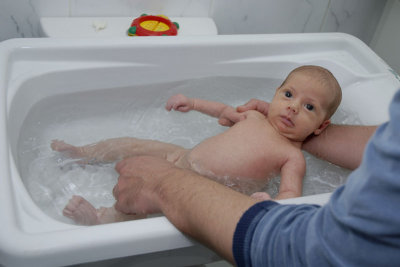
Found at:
<point>288,94</point>
<point>309,107</point>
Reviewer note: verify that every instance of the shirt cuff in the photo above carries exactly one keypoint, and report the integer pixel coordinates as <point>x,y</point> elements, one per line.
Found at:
<point>245,229</point>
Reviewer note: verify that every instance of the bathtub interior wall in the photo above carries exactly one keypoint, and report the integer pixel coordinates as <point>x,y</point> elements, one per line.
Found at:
<point>47,69</point>
<point>43,73</point>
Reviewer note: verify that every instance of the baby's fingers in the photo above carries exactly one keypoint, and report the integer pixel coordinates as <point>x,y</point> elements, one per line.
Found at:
<point>255,104</point>
<point>225,122</point>
<point>250,105</point>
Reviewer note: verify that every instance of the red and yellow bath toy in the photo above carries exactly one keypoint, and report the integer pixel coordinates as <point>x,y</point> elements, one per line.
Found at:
<point>150,25</point>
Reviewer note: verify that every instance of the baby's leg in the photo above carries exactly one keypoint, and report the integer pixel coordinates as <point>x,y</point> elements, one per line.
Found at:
<point>67,149</point>
<point>115,149</point>
<point>82,212</point>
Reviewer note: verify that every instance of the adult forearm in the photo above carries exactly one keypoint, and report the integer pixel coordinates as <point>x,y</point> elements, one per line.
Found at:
<point>342,145</point>
<point>203,209</point>
<point>199,207</point>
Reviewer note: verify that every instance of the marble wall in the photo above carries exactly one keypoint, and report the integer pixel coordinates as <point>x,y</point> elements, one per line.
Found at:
<point>20,18</point>
<point>356,17</point>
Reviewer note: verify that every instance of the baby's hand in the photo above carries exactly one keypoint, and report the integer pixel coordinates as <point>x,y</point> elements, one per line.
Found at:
<point>255,104</point>
<point>230,116</point>
<point>179,102</point>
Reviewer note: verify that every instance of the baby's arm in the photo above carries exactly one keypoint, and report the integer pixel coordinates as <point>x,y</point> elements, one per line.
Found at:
<point>227,115</point>
<point>292,173</point>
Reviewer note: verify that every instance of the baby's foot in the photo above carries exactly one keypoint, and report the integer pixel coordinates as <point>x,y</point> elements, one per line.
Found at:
<point>261,196</point>
<point>110,215</point>
<point>66,149</point>
<point>81,211</point>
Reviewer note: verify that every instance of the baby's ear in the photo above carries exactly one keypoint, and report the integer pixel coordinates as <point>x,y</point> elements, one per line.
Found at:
<point>322,127</point>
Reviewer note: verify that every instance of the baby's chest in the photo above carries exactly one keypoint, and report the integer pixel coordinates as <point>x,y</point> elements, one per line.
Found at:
<point>266,144</point>
<point>261,146</point>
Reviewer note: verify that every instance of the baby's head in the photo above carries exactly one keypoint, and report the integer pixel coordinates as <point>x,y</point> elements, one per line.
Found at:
<point>326,81</point>
<point>304,102</point>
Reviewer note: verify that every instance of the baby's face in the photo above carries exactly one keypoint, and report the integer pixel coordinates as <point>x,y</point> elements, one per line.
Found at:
<point>299,107</point>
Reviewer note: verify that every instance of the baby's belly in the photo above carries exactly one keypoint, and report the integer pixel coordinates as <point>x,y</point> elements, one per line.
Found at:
<point>244,168</point>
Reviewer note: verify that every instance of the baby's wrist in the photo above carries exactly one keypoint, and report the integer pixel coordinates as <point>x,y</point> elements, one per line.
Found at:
<point>192,103</point>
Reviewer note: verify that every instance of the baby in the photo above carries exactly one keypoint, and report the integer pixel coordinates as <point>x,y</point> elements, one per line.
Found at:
<point>243,157</point>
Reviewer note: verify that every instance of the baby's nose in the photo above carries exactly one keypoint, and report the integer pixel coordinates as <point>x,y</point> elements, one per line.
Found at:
<point>293,107</point>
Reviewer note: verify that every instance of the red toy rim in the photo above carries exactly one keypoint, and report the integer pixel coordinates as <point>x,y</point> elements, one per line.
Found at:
<point>144,32</point>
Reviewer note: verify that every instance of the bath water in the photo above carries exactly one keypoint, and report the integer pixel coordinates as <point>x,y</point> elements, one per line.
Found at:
<point>138,111</point>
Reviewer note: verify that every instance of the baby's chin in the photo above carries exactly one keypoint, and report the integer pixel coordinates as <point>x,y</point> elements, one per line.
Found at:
<point>293,137</point>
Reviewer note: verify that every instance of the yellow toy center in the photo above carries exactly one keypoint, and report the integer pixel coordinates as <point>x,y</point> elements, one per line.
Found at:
<point>155,26</point>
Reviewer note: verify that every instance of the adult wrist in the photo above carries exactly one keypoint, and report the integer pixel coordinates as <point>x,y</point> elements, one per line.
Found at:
<point>166,187</point>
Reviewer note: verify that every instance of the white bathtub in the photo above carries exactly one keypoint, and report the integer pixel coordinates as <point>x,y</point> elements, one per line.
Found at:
<point>33,69</point>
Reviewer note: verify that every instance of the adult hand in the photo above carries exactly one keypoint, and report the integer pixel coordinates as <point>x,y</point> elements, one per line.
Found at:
<point>139,180</point>
<point>196,205</point>
<point>255,104</point>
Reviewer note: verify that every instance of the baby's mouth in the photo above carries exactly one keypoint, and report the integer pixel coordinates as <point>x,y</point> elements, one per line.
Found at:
<point>287,121</point>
